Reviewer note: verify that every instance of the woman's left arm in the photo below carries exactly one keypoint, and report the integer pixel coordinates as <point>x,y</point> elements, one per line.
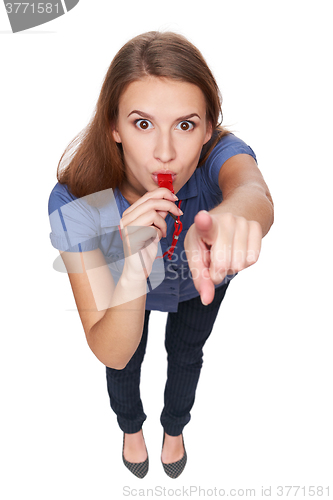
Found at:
<point>245,193</point>
<point>227,239</point>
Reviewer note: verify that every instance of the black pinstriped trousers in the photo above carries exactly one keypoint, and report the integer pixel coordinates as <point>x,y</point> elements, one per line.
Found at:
<point>185,335</point>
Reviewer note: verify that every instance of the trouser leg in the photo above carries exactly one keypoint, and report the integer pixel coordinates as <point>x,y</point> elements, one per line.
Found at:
<point>186,332</point>
<point>124,388</point>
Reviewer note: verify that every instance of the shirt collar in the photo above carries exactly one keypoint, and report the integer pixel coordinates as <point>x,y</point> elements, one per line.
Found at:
<point>190,189</point>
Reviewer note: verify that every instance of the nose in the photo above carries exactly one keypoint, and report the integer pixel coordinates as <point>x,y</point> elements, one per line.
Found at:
<point>164,148</point>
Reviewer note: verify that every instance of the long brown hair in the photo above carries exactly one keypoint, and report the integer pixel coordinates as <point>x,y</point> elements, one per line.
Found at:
<point>93,161</point>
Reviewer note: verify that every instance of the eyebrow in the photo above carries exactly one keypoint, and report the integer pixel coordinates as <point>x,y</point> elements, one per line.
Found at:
<point>150,117</point>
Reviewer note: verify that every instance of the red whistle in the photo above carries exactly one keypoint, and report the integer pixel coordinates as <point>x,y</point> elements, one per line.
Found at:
<point>165,180</point>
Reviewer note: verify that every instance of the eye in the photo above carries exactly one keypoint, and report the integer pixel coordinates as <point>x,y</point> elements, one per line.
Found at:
<point>186,125</point>
<point>143,124</point>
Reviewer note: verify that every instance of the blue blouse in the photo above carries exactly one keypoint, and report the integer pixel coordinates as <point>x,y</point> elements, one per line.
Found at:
<point>83,224</point>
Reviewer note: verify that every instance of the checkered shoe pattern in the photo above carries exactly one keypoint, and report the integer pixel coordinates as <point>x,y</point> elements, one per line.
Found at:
<point>176,468</point>
<point>139,469</point>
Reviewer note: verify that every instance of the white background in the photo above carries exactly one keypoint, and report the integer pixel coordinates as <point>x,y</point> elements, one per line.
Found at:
<point>263,412</point>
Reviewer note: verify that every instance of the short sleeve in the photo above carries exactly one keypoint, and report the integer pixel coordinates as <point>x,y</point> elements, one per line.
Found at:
<point>73,227</point>
<point>228,146</point>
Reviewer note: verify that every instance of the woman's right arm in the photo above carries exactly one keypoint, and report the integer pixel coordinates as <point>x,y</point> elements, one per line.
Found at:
<point>113,316</point>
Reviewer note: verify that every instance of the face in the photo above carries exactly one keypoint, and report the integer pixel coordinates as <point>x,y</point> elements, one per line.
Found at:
<point>162,127</point>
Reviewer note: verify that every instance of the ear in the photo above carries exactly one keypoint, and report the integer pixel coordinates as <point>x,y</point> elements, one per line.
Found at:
<point>115,133</point>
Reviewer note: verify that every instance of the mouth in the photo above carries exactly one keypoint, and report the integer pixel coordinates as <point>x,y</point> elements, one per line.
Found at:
<point>155,179</point>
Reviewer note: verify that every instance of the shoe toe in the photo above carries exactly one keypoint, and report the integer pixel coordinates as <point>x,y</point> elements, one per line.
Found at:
<point>139,469</point>
<point>175,468</point>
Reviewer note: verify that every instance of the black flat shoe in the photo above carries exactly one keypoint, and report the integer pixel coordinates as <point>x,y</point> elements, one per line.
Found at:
<point>139,469</point>
<point>175,468</point>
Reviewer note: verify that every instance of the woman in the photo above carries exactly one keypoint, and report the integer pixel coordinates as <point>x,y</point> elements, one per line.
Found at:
<point>129,249</point>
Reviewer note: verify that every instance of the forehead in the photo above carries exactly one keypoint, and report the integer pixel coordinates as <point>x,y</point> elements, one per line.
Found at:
<point>154,95</point>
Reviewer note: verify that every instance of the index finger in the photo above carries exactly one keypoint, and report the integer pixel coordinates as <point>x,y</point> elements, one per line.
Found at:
<point>206,227</point>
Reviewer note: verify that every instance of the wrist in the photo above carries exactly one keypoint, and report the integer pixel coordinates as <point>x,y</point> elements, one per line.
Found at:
<point>134,269</point>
